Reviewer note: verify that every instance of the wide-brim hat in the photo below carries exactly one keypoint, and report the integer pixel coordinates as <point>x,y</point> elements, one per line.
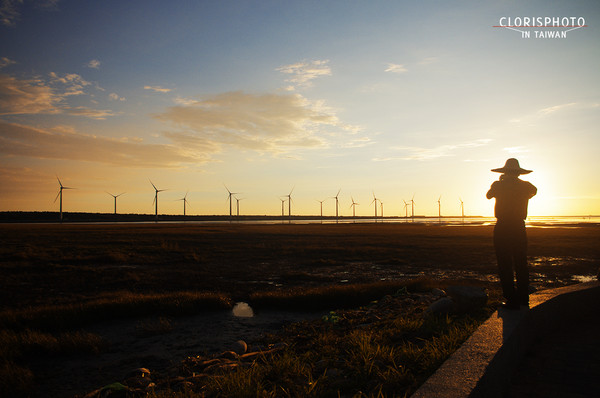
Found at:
<point>512,167</point>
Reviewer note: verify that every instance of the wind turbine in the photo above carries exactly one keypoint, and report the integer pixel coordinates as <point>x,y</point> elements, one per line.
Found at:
<point>237,201</point>
<point>353,205</point>
<point>155,202</point>
<point>282,203</point>
<point>115,196</point>
<point>405,209</point>
<point>412,204</point>
<point>375,201</point>
<point>289,196</point>
<point>462,207</point>
<point>321,202</point>
<point>184,199</point>
<point>60,195</point>
<point>381,204</point>
<point>439,201</point>
<point>336,203</point>
<point>230,196</point>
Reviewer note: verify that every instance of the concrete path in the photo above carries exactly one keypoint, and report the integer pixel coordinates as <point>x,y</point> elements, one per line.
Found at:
<point>549,350</point>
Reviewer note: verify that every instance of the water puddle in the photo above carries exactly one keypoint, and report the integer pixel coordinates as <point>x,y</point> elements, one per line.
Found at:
<point>242,310</point>
<point>584,278</point>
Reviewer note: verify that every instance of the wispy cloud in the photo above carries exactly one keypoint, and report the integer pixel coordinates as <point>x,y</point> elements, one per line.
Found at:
<point>36,96</point>
<point>516,149</point>
<point>273,123</point>
<point>10,10</point>
<point>420,153</point>
<point>115,97</point>
<point>551,110</point>
<point>26,97</point>
<point>428,61</point>
<point>94,64</point>
<point>158,89</point>
<point>72,83</point>
<point>396,68</point>
<point>4,62</point>
<point>556,108</point>
<point>66,143</point>
<point>303,73</point>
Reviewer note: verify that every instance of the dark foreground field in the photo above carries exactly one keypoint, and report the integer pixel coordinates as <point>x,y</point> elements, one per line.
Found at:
<point>50,264</point>
<point>56,278</point>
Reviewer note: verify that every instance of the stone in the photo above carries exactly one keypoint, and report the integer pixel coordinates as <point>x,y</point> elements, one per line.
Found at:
<point>239,347</point>
<point>229,355</point>
<point>438,292</point>
<point>444,305</point>
<point>468,298</point>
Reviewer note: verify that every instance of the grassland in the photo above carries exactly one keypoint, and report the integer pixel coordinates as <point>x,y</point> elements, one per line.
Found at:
<point>56,279</point>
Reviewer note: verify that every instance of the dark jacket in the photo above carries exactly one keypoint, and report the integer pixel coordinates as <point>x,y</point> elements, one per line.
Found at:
<point>512,195</point>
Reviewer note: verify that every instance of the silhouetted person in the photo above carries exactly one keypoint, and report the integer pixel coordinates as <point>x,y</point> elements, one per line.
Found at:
<point>510,239</point>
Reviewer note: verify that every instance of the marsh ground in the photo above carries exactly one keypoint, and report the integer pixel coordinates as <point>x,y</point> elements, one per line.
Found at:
<point>61,265</point>
<point>50,264</point>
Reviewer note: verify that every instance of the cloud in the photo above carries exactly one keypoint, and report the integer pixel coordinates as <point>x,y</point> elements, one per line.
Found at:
<point>26,97</point>
<point>272,123</point>
<point>516,149</point>
<point>556,108</point>
<point>66,144</point>
<point>71,83</point>
<point>94,64</point>
<point>10,11</point>
<point>428,61</point>
<point>157,89</point>
<point>419,153</point>
<point>396,68</point>
<point>303,73</point>
<point>4,62</point>
<point>115,97</point>
<point>36,96</point>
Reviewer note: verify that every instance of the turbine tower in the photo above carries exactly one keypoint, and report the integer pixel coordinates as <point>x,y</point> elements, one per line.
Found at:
<point>353,205</point>
<point>282,207</point>
<point>230,196</point>
<point>155,202</point>
<point>462,208</point>
<point>375,201</point>
<point>184,199</point>
<point>115,196</point>
<point>439,201</point>
<point>289,198</point>
<point>412,207</point>
<point>405,209</point>
<point>60,195</point>
<point>321,202</point>
<point>381,204</point>
<point>237,204</point>
<point>337,203</point>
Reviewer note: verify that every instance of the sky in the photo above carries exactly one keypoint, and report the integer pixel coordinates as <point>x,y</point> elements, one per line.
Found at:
<point>396,100</point>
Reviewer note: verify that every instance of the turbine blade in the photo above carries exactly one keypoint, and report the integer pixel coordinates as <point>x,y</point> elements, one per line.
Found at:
<point>57,195</point>
<point>154,186</point>
<point>59,183</point>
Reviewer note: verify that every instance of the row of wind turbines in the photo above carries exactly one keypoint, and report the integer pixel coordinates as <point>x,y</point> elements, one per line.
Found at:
<point>285,198</point>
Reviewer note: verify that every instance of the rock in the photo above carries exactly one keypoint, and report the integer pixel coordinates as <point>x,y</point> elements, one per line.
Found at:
<point>468,298</point>
<point>444,305</point>
<point>229,355</point>
<point>139,372</point>
<point>438,292</point>
<point>239,347</point>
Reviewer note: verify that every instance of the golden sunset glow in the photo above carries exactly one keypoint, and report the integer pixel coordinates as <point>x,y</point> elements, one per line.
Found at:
<point>397,99</point>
